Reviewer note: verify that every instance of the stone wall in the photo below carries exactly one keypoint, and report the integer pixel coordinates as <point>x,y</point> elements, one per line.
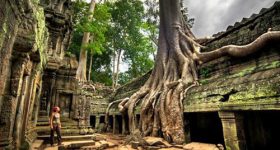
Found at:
<point>10,19</point>
<point>23,39</point>
<point>59,74</point>
<point>35,75</point>
<point>240,83</point>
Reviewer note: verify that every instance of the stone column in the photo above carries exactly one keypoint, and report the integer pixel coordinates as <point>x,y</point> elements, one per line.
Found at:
<point>233,130</point>
<point>114,124</point>
<point>19,121</point>
<point>73,113</point>
<point>87,111</point>
<point>97,121</point>
<point>123,125</point>
<point>51,98</point>
<point>35,112</point>
<point>11,102</point>
<point>28,100</point>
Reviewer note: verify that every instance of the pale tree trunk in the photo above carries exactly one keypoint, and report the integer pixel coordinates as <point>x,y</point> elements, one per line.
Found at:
<point>118,67</point>
<point>174,74</point>
<point>114,70</point>
<point>82,68</point>
<point>90,66</point>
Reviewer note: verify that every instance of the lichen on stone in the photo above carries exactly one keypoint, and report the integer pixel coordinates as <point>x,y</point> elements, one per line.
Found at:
<point>41,35</point>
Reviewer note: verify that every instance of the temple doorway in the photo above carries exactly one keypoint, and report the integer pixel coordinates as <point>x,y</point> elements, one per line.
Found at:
<point>65,103</point>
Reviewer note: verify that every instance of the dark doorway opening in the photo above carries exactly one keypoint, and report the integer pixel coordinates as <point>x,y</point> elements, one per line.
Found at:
<point>110,124</point>
<point>102,119</point>
<point>126,124</point>
<point>204,127</point>
<point>137,120</point>
<point>262,130</point>
<point>119,124</point>
<point>92,121</point>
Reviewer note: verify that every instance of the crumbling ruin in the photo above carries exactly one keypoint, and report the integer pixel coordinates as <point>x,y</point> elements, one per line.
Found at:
<point>235,104</point>
<point>235,94</point>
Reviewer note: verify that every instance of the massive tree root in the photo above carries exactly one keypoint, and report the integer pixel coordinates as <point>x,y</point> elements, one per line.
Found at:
<point>174,73</point>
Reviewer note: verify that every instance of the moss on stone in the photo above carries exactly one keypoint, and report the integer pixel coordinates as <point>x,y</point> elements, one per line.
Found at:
<point>228,148</point>
<point>4,30</point>
<point>246,71</point>
<point>203,81</point>
<point>41,35</point>
<point>3,33</point>
<point>261,67</point>
<point>25,146</point>
<point>204,72</point>
<point>254,93</point>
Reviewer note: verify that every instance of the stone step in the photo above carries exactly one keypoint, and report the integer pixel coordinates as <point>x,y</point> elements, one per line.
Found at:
<point>68,138</point>
<point>69,145</point>
<point>103,144</point>
<point>64,132</point>
<point>47,128</point>
<point>37,144</point>
<point>62,119</point>
<point>75,145</point>
<point>63,123</point>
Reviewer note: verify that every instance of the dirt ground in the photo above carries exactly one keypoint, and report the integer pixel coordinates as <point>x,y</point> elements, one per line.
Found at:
<point>109,141</point>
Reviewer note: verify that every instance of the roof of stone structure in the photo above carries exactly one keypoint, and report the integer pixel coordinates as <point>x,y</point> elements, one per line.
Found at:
<point>245,21</point>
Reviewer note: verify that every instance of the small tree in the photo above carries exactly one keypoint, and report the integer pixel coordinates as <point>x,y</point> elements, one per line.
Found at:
<point>81,71</point>
<point>128,42</point>
<point>98,28</point>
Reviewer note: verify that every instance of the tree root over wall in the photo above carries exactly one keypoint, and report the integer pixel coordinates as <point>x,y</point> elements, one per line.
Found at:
<point>174,73</point>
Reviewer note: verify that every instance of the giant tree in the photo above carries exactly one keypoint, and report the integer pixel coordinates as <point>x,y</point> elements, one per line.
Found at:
<point>174,73</point>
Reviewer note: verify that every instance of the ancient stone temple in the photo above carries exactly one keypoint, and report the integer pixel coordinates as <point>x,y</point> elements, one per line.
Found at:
<point>35,73</point>
<point>23,42</point>
<point>236,103</point>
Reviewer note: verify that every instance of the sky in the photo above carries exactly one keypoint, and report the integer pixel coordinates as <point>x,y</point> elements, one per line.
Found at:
<point>213,16</point>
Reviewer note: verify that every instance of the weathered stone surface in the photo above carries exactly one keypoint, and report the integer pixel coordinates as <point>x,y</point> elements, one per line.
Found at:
<point>21,54</point>
<point>156,141</point>
<point>98,137</point>
<point>135,144</point>
<point>200,146</point>
<point>23,42</point>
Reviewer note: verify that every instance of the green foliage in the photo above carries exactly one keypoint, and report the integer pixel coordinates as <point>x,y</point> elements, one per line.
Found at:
<point>80,11</point>
<point>129,34</point>
<point>127,26</point>
<point>152,20</point>
<point>101,68</point>
<point>97,27</point>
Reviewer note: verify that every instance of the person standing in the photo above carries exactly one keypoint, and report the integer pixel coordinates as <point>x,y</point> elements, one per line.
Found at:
<point>55,125</point>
